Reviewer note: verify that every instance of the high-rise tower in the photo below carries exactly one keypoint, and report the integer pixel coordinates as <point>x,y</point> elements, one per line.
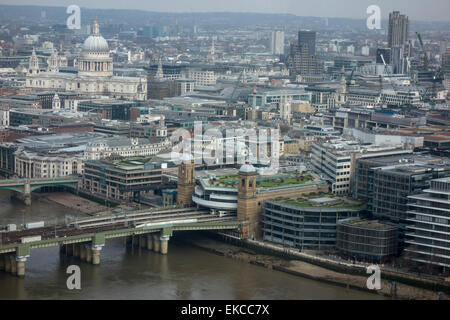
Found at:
<point>398,29</point>
<point>398,41</point>
<point>307,38</point>
<point>277,42</point>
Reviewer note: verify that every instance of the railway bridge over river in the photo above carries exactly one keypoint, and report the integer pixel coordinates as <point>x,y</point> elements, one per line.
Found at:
<point>85,238</point>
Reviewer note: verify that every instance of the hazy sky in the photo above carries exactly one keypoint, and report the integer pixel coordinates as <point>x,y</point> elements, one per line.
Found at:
<point>416,9</point>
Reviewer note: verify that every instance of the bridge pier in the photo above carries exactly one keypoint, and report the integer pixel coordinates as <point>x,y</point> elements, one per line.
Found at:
<point>129,241</point>
<point>82,252</point>
<point>135,241</point>
<point>2,262</point>
<point>149,242</point>
<point>88,254</point>
<point>156,243</point>
<point>76,250</point>
<point>20,261</point>
<point>27,194</point>
<point>12,258</point>
<point>7,261</point>
<point>70,250</point>
<point>96,255</point>
<point>143,241</point>
<point>27,199</point>
<point>164,240</point>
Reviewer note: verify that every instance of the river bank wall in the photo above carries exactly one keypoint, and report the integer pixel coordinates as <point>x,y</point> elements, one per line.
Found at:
<point>318,269</point>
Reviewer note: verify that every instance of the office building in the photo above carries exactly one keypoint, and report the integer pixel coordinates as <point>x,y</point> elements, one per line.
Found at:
<point>202,77</point>
<point>429,231</point>
<point>307,222</point>
<point>334,160</point>
<point>123,180</point>
<point>386,182</point>
<point>111,109</point>
<point>277,42</point>
<point>367,240</point>
<point>307,39</point>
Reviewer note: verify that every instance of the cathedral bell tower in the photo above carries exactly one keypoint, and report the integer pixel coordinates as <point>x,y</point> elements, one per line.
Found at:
<point>186,181</point>
<point>34,63</point>
<point>53,63</point>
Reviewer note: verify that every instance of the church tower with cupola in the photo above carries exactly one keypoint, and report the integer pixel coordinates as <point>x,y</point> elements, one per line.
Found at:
<point>248,207</point>
<point>186,181</point>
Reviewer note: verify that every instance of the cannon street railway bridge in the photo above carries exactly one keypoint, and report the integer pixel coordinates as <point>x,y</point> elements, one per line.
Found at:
<point>84,238</point>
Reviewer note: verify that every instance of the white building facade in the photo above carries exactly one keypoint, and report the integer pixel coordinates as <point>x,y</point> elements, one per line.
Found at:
<point>133,147</point>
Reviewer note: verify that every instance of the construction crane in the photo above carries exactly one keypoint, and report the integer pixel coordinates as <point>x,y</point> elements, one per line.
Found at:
<point>386,71</point>
<point>425,57</point>
<point>239,79</point>
<point>392,82</point>
<point>349,81</point>
<point>437,78</point>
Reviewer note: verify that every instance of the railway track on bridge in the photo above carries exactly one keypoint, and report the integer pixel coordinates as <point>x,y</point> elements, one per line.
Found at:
<point>114,222</point>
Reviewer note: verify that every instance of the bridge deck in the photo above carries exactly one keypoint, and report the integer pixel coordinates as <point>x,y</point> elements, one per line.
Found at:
<point>36,181</point>
<point>179,219</point>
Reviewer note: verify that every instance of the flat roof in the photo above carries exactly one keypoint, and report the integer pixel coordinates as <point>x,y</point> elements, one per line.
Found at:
<point>368,224</point>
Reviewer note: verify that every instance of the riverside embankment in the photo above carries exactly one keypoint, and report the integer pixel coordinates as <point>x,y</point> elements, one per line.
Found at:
<point>315,268</point>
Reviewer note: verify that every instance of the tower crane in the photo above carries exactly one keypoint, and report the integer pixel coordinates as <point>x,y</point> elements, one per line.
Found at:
<point>425,57</point>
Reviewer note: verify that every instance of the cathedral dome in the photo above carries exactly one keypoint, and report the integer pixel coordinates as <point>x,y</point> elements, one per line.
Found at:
<point>95,42</point>
<point>94,58</point>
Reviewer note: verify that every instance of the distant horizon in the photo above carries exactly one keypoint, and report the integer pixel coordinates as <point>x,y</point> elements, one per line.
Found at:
<point>245,10</point>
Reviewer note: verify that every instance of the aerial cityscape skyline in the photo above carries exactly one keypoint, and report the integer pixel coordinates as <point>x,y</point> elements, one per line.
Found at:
<point>228,156</point>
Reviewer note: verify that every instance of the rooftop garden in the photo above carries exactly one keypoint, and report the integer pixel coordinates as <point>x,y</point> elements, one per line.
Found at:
<point>323,200</point>
<point>263,181</point>
<point>284,181</point>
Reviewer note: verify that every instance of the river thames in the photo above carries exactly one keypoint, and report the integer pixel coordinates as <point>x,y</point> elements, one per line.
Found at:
<point>131,273</point>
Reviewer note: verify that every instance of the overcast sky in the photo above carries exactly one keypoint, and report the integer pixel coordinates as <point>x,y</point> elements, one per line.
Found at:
<point>424,10</point>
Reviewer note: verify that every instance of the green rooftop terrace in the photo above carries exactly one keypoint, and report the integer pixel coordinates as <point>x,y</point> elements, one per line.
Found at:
<point>265,181</point>
<point>323,200</point>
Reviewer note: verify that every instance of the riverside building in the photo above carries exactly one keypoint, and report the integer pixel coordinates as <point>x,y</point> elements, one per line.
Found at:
<point>307,221</point>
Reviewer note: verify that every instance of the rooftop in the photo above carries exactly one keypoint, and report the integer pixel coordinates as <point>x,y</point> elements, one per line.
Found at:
<point>367,224</point>
<point>134,163</point>
<point>279,180</point>
<point>323,200</point>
